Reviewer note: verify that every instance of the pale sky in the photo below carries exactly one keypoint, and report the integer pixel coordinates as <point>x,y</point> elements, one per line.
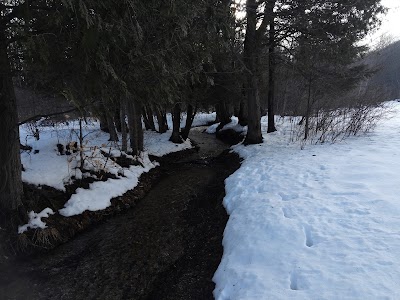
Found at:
<point>390,22</point>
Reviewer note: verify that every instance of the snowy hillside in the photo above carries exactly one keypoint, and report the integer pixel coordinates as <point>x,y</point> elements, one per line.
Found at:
<point>318,223</point>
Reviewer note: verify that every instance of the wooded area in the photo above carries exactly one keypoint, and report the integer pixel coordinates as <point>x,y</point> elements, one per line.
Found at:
<point>142,59</point>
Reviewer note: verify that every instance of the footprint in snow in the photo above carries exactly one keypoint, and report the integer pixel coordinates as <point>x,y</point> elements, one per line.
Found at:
<point>288,197</point>
<point>293,281</point>
<point>287,213</point>
<point>308,235</point>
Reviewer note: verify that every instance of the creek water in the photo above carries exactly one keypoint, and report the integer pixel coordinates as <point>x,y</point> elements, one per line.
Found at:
<point>167,247</point>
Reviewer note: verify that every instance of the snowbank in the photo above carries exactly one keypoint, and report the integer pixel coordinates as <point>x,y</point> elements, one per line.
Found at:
<point>100,193</point>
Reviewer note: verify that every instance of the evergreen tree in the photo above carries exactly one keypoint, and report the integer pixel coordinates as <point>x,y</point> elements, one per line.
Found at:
<point>282,22</point>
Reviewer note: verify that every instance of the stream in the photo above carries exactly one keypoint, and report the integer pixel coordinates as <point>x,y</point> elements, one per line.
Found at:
<point>167,247</point>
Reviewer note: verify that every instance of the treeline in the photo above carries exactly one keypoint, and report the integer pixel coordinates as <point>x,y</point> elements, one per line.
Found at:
<point>130,59</point>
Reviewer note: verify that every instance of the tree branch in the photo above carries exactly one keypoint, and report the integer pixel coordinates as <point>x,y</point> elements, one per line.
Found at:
<point>37,117</point>
<point>18,11</point>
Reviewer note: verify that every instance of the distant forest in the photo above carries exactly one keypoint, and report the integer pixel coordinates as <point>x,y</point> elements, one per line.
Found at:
<point>386,63</point>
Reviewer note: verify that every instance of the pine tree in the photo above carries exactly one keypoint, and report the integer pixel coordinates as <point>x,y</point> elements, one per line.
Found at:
<point>277,23</point>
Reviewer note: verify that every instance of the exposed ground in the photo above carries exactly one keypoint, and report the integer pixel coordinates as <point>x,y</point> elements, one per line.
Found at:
<point>167,247</point>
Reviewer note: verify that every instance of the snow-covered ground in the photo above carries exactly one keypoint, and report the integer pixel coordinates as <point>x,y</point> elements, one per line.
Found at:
<point>317,223</point>
<point>45,166</point>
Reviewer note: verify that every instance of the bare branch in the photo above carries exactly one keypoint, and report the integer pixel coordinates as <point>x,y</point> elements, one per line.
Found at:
<point>37,117</point>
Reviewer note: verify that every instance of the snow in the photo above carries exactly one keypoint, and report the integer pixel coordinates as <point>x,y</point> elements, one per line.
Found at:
<point>200,119</point>
<point>158,144</point>
<point>35,220</point>
<point>48,167</point>
<point>38,169</point>
<point>100,193</point>
<point>317,223</point>
<point>234,125</point>
<point>213,128</point>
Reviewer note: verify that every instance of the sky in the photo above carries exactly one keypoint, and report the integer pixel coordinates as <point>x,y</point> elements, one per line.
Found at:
<point>390,22</point>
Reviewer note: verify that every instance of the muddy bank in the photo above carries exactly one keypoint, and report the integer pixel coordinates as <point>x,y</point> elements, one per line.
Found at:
<point>167,247</point>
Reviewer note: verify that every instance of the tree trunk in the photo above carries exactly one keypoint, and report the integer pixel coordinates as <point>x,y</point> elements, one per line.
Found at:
<point>282,111</point>
<point>223,110</point>
<point>176,125</point>
<point>162,120</point>
<point>117,118</point>
<point>251,58</point>
<point>190,113</point>
<point>271,68</point>
<point>103,121</point>
<point>111,129</point>
<point>308,111</point>
<point>130,112</point>
<point>10,160</point>
<point>81,150</point>
<point>148,118</point>
<point>139,127</point>
<point>135,126</point>
<point>124,133</point>
<point>242,116</point>
<point>223,113</point>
